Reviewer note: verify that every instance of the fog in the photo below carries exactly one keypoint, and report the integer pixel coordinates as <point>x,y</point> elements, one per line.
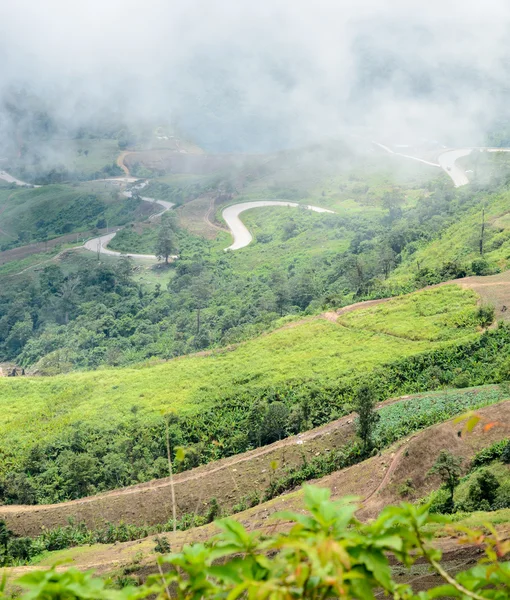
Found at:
<point>261,75</point>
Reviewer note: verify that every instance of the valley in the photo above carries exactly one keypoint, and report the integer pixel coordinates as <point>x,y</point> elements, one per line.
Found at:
<point>365,289</point>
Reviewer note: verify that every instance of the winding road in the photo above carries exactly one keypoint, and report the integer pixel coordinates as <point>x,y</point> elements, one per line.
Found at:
<point>99,244</point>
<point>242,237</point>
<point>446,160</point>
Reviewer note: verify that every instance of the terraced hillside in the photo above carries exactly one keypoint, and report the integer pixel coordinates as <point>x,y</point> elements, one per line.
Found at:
<point>376,481</point>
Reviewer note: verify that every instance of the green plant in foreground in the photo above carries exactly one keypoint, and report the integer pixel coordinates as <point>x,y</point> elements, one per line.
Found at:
<point>327,553</point>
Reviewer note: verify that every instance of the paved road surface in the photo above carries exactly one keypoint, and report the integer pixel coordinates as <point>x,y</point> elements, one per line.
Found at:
<point>242,237</point>
<point>390,151</point>
<point>100,243</point>
<point>10,179</point>
<point>447,161</point>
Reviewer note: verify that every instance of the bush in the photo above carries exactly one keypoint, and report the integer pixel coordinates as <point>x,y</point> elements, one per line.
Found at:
<point>505,455</point>
<point>162,545</point>
<point>213,512</point>
<point>441,502</point>
<point>480,267</point>
<point>406,489</point>
<point>486,315</point>
<point>490,454</point>
<point>482,492</point>
<point>461,381</point>
<point>502,499</point>
<point>21,549</point>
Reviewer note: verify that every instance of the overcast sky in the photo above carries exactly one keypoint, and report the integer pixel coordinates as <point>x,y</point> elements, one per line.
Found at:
<point>275,71</point>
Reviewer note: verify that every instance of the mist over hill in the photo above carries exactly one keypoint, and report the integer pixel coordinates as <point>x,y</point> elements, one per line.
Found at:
<point>254,76</point>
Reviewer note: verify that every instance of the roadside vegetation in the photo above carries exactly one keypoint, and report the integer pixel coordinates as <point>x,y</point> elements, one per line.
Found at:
<point>40,214</point>
<point>327,552</point>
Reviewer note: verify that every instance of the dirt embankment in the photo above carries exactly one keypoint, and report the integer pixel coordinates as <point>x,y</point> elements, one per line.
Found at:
<point>376,482</point>
<point>227,480</point>
<point>122,164</point>
<point>494,290</point>
<point>377,479</point>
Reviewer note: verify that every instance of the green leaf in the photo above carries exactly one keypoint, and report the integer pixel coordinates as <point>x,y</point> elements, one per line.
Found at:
<point>180,454</point>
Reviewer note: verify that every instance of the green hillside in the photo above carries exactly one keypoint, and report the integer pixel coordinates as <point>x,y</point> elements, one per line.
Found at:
<point>37,214</point>
<point>456,251</point>
<point>35,409</point>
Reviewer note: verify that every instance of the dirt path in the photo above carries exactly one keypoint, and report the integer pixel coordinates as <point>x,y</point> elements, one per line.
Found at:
<point>121,164</point>
<point>207,218</point>
<point>389,472</point>
<point>377,480</point>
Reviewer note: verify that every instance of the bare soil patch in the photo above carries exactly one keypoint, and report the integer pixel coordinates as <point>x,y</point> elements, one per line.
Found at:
<point>493,290</point>
<point>375,481</point>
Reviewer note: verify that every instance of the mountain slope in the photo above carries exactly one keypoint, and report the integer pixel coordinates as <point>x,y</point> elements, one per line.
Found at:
<point>36,410</point>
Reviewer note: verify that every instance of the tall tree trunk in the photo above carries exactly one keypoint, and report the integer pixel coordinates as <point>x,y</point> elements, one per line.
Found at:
<point>482,231</point>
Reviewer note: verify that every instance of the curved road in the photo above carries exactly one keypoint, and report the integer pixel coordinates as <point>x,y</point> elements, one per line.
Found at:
<point>242,237</point>
<point>100,243</point>
<point>447,160</point>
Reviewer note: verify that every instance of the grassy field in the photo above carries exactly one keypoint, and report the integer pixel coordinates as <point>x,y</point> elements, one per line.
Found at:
<point>425,316</point>
<point>36,407</point>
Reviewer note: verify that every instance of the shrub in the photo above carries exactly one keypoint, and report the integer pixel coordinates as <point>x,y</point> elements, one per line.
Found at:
<point>441,502</point>
<point>462,381</point>
<point>406,489</point>
<point>21,549</point>
<point>486,315</point>
<point>490,454</point>
<point>483,490</point>
<point>505,455</point>
<point>480,267</point>
<point>162,545</point>
<point>502,499</point>
<point>213,512</point>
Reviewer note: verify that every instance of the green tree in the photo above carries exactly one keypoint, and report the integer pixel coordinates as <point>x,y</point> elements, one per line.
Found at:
<point>483,491</point>
<point>280,287</point>
<point>201,289</point>
<point>274,426</point>
<point>67,296</point>
<point>505,456</point>
<point>364,404</point>
<point>5,534</point>
<point>449,468</point>
<point>255,420</point>
<point>165,243</point>
<point>393,202</point>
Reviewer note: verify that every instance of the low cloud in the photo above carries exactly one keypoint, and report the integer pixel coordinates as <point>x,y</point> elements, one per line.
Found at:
<point>258,75</point>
